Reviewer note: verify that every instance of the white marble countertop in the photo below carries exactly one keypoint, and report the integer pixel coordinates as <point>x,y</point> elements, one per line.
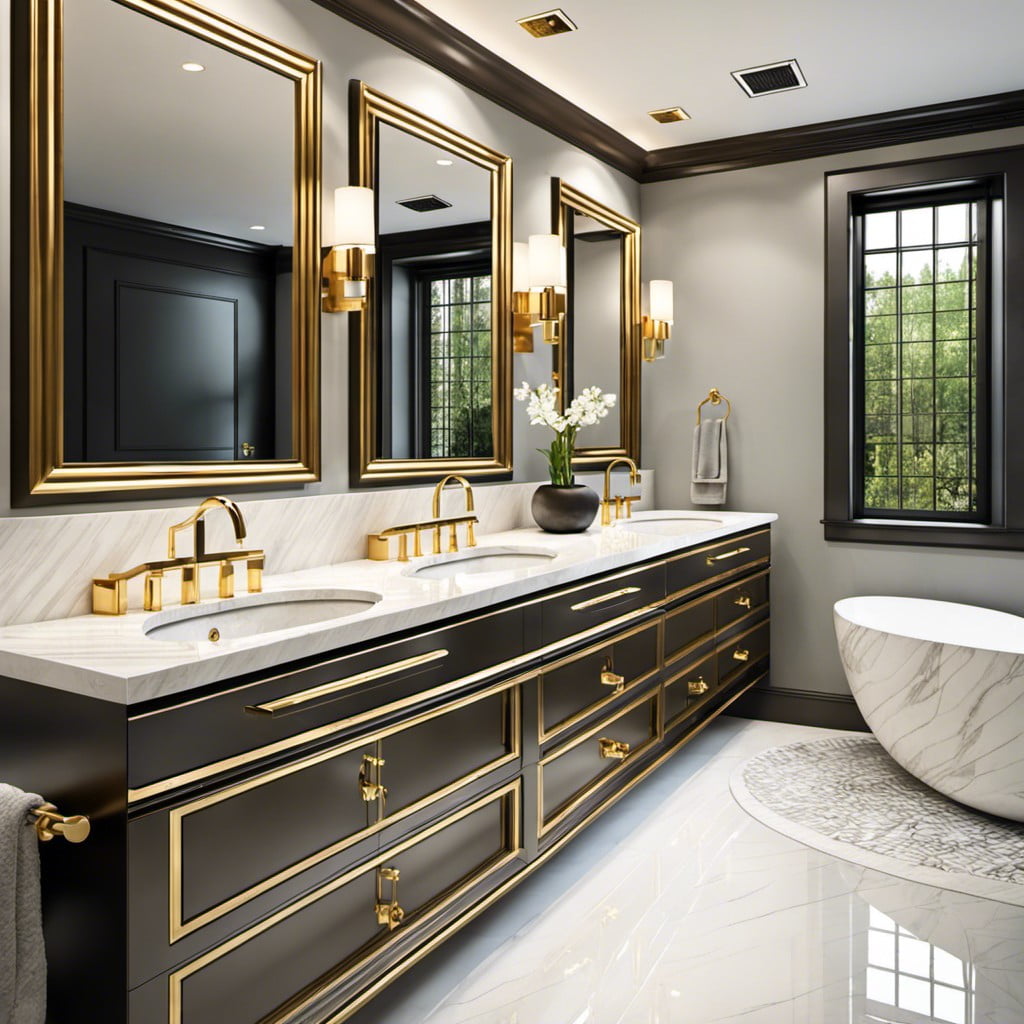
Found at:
<point>112,658</point>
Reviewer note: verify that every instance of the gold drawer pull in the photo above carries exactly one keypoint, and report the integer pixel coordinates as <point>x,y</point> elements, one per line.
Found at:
<point>697,686</point>
<point>726,554</point>
<point>740,654</point>
<point>611,678</point>
<point>388,912</point>
<point>613,750</point>
<point>371,786</point>
<point>743,601</point>
<point>594,601</point>
<point>274,707</point>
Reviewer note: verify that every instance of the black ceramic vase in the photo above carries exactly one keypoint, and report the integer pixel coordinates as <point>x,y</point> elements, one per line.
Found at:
<point>564,509</point>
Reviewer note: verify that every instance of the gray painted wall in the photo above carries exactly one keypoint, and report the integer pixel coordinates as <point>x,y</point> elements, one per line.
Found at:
<point>746,252</point>
<point>348,52</point>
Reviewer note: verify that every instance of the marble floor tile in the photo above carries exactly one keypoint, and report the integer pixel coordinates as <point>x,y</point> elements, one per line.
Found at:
<point>676,907</point>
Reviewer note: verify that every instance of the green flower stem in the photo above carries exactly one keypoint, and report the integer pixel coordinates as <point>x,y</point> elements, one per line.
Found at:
<point>559,457</point>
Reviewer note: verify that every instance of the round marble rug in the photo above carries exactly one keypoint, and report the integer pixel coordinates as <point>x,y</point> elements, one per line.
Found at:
<point>847,797</point>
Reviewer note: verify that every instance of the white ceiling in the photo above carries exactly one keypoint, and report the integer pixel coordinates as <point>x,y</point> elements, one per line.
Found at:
<point>858,56</point>
<point>211,150</point>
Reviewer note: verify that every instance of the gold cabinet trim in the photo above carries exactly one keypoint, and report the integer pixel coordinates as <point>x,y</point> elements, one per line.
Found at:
<point>682,652</point>
<point>45,471</point>
<point>512,840</point>
<point>657,733</point>
<point>178,927</point>
<point>543,735</point>
<point>368,109</point>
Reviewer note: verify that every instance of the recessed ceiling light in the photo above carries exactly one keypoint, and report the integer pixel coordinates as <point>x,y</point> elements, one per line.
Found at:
<point>669,114</point>
<point>191,65</point>
<point>550,23</point>
<point>782,76</point>
<point>445,163</point>
<point>257,227</point>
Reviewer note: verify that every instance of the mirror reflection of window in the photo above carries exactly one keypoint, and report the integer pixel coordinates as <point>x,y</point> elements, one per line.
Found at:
<point>434,269</point>
<point>178,244</point>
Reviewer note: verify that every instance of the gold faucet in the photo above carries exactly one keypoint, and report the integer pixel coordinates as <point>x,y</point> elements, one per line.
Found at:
<point>110,593</point>
<point>377,544</point>
<point>619,502</point>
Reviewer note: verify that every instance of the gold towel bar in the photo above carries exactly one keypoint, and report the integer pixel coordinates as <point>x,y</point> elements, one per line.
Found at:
<point>715,397</point>
<point>50,823</point>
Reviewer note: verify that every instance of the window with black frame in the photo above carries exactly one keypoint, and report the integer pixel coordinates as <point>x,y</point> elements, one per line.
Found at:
<point>920,355</point>
<point>924,352</point>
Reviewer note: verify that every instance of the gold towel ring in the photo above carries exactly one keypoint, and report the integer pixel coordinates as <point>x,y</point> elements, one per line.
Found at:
<point>715,397</point>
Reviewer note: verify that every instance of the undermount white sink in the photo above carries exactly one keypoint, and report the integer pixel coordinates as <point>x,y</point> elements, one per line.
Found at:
<point>671,523</point>
<point>482,560</point>
<point>256,614</point>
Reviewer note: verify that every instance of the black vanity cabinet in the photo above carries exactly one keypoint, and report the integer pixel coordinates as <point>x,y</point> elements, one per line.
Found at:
<point>285,844</point>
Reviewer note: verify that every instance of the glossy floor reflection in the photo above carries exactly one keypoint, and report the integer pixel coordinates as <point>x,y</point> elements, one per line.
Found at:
<point>678,908</point>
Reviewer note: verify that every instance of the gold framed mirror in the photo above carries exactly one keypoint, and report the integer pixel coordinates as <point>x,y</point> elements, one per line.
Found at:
<point>602,335</point>
<point>431,364</point>
<point>168,332</point>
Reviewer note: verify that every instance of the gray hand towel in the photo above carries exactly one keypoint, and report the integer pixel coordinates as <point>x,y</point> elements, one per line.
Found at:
<point>22,954</point>
<point>710,463</point>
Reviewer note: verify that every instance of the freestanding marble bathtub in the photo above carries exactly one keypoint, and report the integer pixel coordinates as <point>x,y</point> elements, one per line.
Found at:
<point>942,687</point>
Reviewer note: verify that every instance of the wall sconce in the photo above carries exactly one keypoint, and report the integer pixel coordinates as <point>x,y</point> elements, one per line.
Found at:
<point>349,264</point>
<point>657,326</point>
<point>538,290</point>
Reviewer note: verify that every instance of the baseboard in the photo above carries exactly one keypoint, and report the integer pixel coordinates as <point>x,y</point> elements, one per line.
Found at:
<point>799,707</point>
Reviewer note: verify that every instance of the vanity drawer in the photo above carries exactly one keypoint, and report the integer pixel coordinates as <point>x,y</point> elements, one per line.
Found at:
<point>572,772</point>
<point>690,687</point>
<point>720,561</point>
<point>573,688</point>
<point>271,714</point>
<point>328,933</point>
<point>688,627</point>
<point>741,599</point>
<point>743,652</point>
<point>582,608</point>
<point>295,825</point>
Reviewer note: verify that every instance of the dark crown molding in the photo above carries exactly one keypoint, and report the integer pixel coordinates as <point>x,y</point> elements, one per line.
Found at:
<point>420,32</point>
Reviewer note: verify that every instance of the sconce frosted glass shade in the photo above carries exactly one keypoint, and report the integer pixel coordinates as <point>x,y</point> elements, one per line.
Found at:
<point>354,220</point>
<point>520,267</point>
<point>661,301</point>
<point>547,262</point>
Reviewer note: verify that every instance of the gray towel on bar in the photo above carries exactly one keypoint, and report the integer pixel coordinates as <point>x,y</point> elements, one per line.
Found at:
<point>710,463</point>
<point>22,954</point>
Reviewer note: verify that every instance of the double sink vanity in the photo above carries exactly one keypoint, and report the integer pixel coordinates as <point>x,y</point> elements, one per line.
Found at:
<point>295,794</point>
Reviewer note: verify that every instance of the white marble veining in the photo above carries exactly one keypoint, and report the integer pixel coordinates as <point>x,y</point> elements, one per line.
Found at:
<point>113,658</point>
<point>942,687</point>
<point>676,907</point>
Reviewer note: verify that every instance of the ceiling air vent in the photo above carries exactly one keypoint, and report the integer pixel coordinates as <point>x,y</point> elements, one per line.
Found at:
<point>768,78</point>
<point>550,23</point>
<point>424,204</point>
<point>668,115</point>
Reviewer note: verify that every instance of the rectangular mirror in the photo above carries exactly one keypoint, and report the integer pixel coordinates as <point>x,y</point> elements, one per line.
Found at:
<point>602,338</point>
<point>432,353</point>
<point>171,334</point>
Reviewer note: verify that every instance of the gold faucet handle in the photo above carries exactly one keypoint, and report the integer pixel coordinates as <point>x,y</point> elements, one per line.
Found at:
<point>153,591</point>
<point>470,532</point>
<point>109,597</point>
<point>378,548</point>
<point>629,503</point>
<point>254,573</point>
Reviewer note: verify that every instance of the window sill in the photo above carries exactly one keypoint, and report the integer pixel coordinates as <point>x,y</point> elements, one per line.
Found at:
<point>920,534</point>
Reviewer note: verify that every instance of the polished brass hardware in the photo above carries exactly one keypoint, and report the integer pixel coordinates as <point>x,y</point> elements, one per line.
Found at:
<point>344,275</point>
<point>715,397</point>
<point>248,450</point>
<point>214,635</point>
<point>329,689</point>
<point>610,678</point>
<point>743,601</point>
<point>657,324</point>
<point>378,549</point>
<point>711,559</point>
<point>697,686</point>
<point>619,502</point>
<point>41,344</point>
<point>50,823</point>
<point>613,750</point>
<point>370,785</point>
<point>594,601</point>
<point>388,912</point>
<point>741,654</point>
<point>110,593</point>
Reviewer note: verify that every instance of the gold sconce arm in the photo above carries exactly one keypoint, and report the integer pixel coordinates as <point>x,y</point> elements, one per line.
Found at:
<point>345,273</point>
